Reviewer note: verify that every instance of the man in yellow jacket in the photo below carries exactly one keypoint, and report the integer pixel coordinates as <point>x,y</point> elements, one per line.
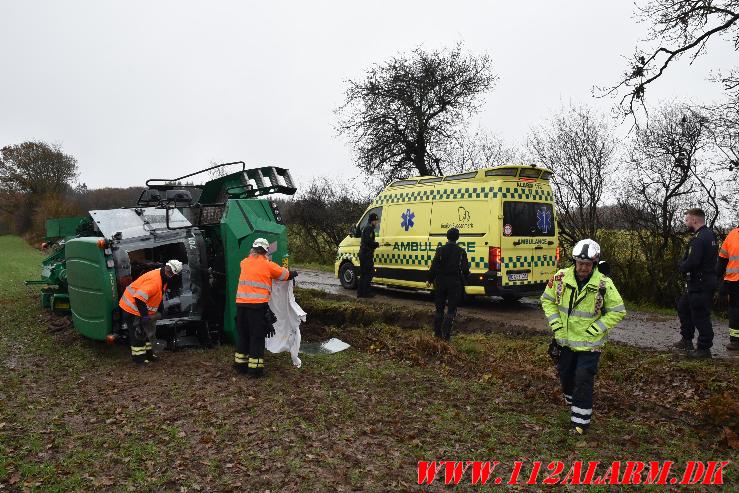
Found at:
<point>581,305</point>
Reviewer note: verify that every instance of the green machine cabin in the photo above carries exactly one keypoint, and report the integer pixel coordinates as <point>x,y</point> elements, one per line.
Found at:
<point>209,227</point>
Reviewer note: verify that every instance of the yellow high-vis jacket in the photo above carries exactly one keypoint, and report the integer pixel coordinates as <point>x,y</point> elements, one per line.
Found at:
<point>581,319</point>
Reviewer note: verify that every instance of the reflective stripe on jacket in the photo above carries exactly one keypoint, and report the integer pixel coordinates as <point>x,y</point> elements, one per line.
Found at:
<point>255,282</point>
<point>581,319</point>
<point>730,250</point>
<point>148,288</point>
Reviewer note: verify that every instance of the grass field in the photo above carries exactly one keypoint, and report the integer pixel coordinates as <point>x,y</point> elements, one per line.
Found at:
<point>77,416</point>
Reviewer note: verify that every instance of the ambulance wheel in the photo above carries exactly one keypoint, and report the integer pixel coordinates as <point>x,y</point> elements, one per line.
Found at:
<point>348,276</point>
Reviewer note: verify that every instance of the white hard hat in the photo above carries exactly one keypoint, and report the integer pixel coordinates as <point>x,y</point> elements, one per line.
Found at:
<point>261,243</point>
<point>175,266</point>
<point>586,250</point>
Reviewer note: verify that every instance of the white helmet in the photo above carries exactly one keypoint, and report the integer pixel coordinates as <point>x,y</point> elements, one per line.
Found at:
<point>586,250</point>
<point>175,266</point>
<point>261,243</point>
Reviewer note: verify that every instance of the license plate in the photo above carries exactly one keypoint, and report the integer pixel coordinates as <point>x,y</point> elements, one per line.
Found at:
<point>523,276</point>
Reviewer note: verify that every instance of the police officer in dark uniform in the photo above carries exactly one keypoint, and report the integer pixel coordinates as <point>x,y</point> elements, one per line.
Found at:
<point>367,257</point>
<point>699,267</point>
<point>448,273</point>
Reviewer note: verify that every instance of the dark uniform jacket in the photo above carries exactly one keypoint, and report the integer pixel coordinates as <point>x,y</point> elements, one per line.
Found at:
<point>699,262</point>
<point>368,243</point>
<point>450,263</point>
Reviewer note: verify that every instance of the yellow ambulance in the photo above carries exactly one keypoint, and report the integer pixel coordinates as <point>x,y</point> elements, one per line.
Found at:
<point>505,216</point>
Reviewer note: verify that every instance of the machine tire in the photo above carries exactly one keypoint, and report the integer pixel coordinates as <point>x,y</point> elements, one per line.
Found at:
<point>348,276</point>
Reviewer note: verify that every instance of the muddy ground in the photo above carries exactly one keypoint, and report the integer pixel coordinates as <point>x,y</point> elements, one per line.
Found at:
<point>76,415</point>
<point>640,329</point>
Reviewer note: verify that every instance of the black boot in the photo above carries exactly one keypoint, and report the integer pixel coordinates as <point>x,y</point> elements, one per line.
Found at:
<point>438,320</point>
<point>700,354</point>
<point>684,345</point>
<point>447,327</point>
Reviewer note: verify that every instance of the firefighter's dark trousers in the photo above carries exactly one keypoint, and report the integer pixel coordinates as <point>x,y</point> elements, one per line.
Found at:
<point>141,336</point>
<point>251,324</point>
<point>694,310</point>
<point>577,370</point>
<point>732,289</point>
<point>447,293</point>
<point>366,273</point>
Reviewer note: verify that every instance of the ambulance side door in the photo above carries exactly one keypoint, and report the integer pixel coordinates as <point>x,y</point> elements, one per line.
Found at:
<point>402,256</point>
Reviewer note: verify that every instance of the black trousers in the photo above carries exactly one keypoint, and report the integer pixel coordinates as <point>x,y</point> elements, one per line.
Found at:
<point>140,336</point>
<point>732,288</point>
<point>366,273</point>
<point>251,324</point>
<point>694,311</point>
<point>447,294</point>
<point>577,370</point>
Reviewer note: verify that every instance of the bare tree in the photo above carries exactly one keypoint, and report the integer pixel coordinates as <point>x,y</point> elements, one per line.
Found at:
<point>578,145</point>
<point>321,217</point>
<point>678,27</point>
<point>403,113</point>
<point>468,151</point>
<point>666,176</point>
<point>724,132</point>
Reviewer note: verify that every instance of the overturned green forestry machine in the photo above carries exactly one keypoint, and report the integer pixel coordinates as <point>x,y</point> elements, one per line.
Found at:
<point>210,228</point>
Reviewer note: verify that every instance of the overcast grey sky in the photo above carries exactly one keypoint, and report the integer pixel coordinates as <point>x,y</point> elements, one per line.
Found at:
<point>145,89</point>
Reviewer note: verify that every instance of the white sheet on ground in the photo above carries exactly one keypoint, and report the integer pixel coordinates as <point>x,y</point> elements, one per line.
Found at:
<point>289,315</point>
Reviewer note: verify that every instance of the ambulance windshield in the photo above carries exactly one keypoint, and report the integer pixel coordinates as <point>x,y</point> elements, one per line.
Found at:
<point>528,219</point>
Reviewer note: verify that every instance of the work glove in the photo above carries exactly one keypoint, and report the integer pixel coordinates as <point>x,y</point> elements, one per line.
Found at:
<point>269,331</point>
<point>293,274</point>
<point>375,245</point>
<point>140,330</point>
<point>554,350</point>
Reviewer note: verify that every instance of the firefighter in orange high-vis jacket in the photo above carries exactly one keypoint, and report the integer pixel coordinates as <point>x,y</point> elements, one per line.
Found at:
<point>728,270</point>
<point>141,302</point>
<point>253,322</point>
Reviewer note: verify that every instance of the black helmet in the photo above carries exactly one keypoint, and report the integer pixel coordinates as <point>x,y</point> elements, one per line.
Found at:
<point>452,234</point>
<point>372,217</point>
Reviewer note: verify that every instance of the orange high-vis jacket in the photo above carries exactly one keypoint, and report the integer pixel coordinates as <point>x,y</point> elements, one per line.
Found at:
<point>148,288</point>
<point>730,250</point>
<point>255,282</point>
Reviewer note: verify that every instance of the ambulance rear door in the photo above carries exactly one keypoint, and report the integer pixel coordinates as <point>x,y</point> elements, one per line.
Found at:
<point>528,242</point>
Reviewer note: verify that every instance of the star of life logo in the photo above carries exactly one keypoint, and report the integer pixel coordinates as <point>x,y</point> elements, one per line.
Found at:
<point>544,220</point>
<point>407,217</point>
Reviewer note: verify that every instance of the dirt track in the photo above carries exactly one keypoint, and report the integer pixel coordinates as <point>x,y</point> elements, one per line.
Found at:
<point>640,329</point>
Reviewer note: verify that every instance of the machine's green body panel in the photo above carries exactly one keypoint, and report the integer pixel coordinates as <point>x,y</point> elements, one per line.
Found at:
<point>92,287</point>
<point>243,221</point>
<point>63,227</point>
